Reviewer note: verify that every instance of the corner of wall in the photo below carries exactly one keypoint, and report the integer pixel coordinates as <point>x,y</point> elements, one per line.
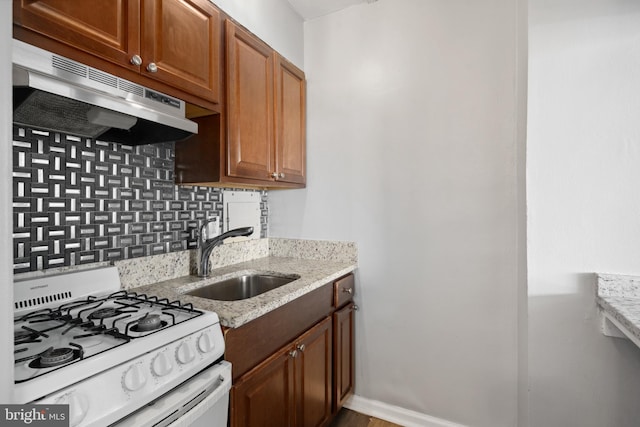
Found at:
<point>522,29</point>
<point>6,291</point>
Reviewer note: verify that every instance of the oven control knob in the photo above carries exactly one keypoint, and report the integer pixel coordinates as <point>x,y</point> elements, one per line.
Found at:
<point>78,407</point>
<point>161,365</point>
<point>206,343</point>
<point>185,353</point>
<point>134,378</point>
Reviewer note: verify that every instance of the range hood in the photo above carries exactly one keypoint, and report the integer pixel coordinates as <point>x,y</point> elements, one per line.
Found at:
<point>56,93</point>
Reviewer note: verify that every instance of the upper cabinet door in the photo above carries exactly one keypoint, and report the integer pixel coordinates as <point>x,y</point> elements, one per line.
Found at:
<point>249,105</point>
<point>290,122</point>
<point>105,28</point>
<point>181,45</point>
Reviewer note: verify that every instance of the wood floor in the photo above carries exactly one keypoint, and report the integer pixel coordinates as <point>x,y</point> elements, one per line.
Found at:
<point>347,418</point>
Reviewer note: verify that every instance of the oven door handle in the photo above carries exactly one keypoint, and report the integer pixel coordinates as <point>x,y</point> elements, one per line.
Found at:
<point>176,419</point>
<point>185,403</point>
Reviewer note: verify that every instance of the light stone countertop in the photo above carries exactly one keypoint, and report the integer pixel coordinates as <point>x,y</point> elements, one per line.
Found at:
<point>619,298</point>
<point>317,262</point>
<point>313,274</point>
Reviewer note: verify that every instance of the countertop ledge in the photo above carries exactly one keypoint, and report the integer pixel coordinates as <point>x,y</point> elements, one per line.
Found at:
<point>618,296</point>
<point>313,274</point>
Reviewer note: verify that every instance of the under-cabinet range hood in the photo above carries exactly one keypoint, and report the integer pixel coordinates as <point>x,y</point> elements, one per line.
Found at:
<point>55,93</point>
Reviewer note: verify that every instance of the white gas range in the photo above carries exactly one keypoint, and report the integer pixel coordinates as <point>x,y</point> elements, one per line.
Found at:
<point>117,357</point>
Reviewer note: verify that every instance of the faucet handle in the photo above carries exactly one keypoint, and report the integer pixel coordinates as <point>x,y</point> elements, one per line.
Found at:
<point>205,228</point>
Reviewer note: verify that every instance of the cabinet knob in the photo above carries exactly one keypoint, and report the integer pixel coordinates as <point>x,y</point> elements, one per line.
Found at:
<point>356,308</point>
<point>152,67</point>
<point>293,353</point>
<point>300,347</point>
<point>280,175</point>
<point>274,175</point>
<point>136,60</point>
<point>347,290</point>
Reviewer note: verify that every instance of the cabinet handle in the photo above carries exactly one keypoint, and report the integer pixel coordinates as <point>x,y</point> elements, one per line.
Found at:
<point>281,175</point>
<point>293,353</point>
<point>300,347</point>
<point>274,175</point>
<point>136,60</point>
<point>347,290</point>
<point>152,67</point>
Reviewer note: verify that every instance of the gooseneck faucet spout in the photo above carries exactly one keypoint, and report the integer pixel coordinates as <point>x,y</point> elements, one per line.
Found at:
<point>206,245</point>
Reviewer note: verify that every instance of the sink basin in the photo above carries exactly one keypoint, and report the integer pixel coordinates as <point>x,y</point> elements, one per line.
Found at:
<point>242,287</point>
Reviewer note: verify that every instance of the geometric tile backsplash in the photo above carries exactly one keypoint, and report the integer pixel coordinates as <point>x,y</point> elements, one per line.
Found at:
<point>78,200</point>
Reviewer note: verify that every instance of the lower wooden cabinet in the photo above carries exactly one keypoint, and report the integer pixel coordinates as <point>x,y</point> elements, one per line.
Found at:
<point>291,388</point>
<point>265,396</point>
<point>343,355</point>
<point>294,366</point>
<point>313,373</point>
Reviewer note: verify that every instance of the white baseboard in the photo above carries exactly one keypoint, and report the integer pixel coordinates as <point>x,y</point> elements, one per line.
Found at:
<point>395,414</point>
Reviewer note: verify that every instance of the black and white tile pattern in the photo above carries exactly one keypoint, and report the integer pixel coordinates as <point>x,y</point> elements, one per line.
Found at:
<point>78,200</point>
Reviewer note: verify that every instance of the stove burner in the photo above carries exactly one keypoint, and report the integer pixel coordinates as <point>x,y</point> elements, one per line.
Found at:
<point>55,357</point>
<point>103,313</point>
<point>149,323</point>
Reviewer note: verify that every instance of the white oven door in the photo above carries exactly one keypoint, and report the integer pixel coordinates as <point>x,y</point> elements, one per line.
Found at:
<point>201,401</point>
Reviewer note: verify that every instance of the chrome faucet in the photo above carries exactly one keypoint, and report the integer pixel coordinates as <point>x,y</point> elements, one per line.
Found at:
<point>206,245</point>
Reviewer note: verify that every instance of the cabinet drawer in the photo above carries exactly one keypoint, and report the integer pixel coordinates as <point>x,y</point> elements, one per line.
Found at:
<point>343,290</point>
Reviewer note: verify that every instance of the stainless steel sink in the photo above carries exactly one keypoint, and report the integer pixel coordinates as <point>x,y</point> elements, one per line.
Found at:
<point>242,287</point>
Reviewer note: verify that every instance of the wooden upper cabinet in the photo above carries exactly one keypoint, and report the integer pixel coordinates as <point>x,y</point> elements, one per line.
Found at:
<point>106,28</point>
<point>249,105</point>
<point>290,122</point>
<point>182,38</point>
<point>266,112</point>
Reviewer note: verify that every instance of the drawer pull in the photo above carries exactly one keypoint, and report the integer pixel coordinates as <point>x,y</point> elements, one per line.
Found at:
<point>348,290</point>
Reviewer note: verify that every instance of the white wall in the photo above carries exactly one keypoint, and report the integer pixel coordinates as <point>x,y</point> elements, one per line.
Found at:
<point>6,220</point>
<point>274,21</point>
<point>413,154</point>
<point>583,178</point>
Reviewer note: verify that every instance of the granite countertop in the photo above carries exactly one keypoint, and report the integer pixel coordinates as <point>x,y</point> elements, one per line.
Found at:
<point>619,298</point>
<point>313,274</point>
